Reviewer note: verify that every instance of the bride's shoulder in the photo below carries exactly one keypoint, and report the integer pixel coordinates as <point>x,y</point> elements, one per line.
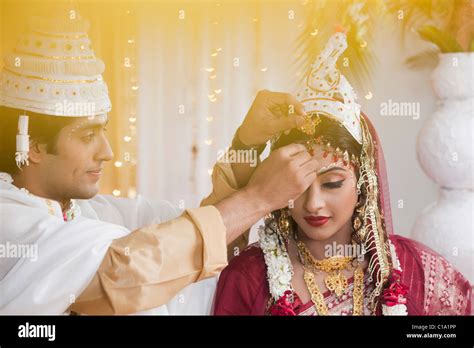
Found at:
<point>441,287</point>
<point>410,251</point>
<point>251,259</point>
<point>242,288</point>
<point>409,248</point>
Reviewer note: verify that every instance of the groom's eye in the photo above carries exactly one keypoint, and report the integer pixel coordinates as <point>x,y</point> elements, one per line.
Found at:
<point>334,184</point>
<point>89,137</point>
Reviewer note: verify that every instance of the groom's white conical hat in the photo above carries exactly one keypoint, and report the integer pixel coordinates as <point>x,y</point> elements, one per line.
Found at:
<point>53,71</point>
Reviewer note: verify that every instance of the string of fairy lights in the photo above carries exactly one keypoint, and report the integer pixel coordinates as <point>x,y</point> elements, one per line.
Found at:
<point>215,91</point>
<point>128,144</point>
<point>130,97</point>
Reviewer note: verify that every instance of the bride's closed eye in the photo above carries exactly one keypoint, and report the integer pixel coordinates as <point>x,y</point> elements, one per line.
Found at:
<point>334,184</point>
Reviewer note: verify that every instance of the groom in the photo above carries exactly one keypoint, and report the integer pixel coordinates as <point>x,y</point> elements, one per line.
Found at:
<point>99,254</point>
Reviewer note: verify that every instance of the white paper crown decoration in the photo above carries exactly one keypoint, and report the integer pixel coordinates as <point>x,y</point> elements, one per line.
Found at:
<point>53,71</point>
<point>327,92</point>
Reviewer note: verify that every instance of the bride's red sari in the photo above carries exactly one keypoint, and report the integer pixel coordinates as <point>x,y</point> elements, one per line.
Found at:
<point>434,286</point>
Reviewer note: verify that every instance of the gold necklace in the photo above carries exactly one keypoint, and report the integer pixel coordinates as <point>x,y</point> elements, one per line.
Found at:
<point>334,264</point>
<point>335,280</point>
<point>318,298</point>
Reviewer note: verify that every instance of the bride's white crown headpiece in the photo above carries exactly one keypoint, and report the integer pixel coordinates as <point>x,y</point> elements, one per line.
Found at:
<point>328,93</point>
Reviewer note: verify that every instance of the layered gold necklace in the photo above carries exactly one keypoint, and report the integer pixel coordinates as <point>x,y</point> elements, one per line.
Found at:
<point>335,280</point>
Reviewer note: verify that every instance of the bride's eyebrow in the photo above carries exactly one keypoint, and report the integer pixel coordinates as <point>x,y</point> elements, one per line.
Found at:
<point>329,170</point>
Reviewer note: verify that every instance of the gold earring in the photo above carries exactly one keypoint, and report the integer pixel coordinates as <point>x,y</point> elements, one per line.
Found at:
<point>357,223</point>
<point>284,222</point>
<point>359,230</point>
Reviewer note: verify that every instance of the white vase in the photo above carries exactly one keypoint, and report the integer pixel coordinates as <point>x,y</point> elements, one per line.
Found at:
<point>445,151</point>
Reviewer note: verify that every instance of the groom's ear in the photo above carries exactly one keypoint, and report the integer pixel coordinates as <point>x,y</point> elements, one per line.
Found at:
<point>37,152</point>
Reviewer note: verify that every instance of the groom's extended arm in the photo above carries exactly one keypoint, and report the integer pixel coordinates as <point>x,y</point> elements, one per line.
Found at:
<point>270,114</point>
<point>224,184</point>
<point>148,267</point>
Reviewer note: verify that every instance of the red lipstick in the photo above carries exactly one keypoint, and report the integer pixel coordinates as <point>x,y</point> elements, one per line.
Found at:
<point>316,221</point>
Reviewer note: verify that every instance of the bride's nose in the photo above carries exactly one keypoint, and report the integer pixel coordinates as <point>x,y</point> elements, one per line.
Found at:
<point>314,199</point>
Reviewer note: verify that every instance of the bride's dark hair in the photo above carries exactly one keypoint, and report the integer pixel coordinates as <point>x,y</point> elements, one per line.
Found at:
<point>331,130</point>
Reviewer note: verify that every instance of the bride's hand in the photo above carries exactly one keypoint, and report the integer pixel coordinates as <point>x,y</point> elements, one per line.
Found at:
<point>271,113</point>
<point>284,176</point>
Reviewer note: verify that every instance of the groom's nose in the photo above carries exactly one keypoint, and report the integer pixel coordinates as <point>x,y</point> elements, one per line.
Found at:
<point>105,152</point>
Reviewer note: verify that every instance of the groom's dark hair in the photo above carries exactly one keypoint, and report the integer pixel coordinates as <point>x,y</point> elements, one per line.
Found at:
<point>44,129</point>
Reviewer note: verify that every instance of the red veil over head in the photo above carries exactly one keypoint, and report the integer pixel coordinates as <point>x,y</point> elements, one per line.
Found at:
<point>434,286</point>
<point>381,171</point>
<point>375,212</point>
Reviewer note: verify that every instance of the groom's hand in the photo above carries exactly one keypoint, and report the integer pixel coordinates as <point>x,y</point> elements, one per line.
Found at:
<point>284,176</point>
<point>271,113</point>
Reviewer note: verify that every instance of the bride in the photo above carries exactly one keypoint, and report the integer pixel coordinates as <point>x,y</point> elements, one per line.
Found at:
<point>332,251</point>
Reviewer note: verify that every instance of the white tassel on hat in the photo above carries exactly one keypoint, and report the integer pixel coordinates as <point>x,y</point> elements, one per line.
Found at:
<point>22,142</point>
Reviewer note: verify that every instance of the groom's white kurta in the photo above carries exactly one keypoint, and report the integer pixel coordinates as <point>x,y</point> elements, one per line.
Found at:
<point>155,263</point>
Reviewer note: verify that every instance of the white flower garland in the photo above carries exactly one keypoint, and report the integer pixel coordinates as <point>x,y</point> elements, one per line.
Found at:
<point>280,271</point>
<point>279,268</point>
